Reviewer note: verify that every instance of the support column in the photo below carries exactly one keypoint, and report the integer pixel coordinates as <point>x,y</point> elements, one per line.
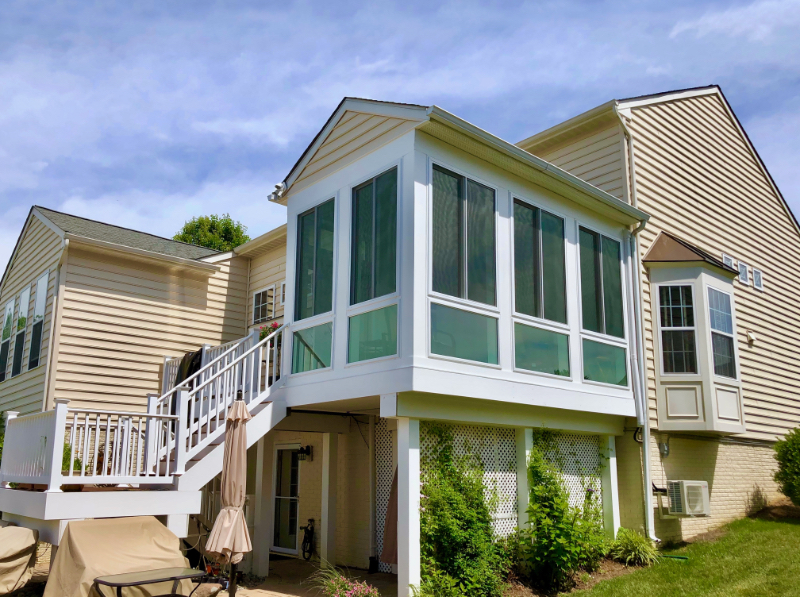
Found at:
<point>373,506</point>
<point>263,532</point>
<point>178,524</point>
<point>524,447</point>
<point>330,460</point>
<point>610,486</point>
<point>408,489</point>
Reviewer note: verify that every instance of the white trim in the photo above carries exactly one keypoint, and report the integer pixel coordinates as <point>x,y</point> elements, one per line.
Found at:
<point>739,265</point>
<point>728,260</point>
<point>760,284</point>
<point>667,97</point>
<point>218,258</point>
<point>283,293</point>
<point>47,222</point>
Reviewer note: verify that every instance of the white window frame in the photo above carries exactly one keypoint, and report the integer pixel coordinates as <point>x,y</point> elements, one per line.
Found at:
<point>712,331</point>
<point>270,314</point>
<point>24,292</point>
<point>34,321</point>
<point>760,284</point>
<point>524,317</point>
<point>661,328</point>
<point>283,293</point>
<point>746,280</point>
<point>729,261</point>
<point>12,302</point>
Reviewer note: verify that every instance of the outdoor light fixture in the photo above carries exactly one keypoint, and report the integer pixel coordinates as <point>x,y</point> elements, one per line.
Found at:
<point>305,453</point>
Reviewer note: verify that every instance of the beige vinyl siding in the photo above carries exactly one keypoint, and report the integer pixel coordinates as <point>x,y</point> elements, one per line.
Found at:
<point>597,158</point>
<point>121,317</point>
<point>355,135</point>
<point>267,270</point>
<point>698,179</point>
<point>39,250</point>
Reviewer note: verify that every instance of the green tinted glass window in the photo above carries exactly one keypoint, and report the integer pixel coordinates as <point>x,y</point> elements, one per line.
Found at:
<point>540,277</point>
<point>373,335</point>
<point>541,350</point>
<point>464,335</point>
<point>604,363</point>
<point>314,280</point>
<point>601,284</point>
<point>311,348</point>
<point>374,248</point>
<point>463,260</point>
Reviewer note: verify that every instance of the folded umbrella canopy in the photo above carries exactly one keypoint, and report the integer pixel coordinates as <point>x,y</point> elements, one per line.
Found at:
<point>229,539</point>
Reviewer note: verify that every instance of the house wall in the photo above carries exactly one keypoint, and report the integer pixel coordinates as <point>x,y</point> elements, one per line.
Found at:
<point>697,178</point>
<point>39,250</point>
<point>122,316</point>
<point>597,158</point>
<point>267,270</point>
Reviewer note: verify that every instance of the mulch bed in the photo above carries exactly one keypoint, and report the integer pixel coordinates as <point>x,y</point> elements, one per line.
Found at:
<point>607,570</point>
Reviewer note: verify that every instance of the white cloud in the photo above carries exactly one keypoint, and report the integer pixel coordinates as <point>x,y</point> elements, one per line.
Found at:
<point>757,21</point>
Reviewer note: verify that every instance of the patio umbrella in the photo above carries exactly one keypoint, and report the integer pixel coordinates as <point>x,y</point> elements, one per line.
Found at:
<point>229,539</point>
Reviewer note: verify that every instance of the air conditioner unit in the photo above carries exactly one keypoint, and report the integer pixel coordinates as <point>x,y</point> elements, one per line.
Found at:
<point>688,498</point>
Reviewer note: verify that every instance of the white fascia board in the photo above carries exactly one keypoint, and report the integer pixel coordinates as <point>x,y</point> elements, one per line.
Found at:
<point>667,97</point>
<point>266,238</point>
<point>356,105</point>
<point>208,268</point>
<point>566,126</point>
<point>219,257</point>
<point>546,167</point>
<point>46,221</point>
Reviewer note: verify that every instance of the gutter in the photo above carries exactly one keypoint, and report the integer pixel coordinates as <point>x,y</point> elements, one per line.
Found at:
<point>180,262</point>
<point>640,383</point>
<point>629,211</point>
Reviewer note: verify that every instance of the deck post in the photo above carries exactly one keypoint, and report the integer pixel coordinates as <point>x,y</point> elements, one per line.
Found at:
<point>57,451</point>
<point>182,430</point>
<point>10,415</point>
<point>524,447</point>
<point>150,435</point>
<point>610,486</point>
<point>408,489</point>
<point>330,465</point>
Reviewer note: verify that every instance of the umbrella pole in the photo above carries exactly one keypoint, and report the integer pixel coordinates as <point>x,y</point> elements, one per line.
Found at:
<point>232,582</point>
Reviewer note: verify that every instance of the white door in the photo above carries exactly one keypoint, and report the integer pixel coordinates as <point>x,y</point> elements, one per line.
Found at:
<point>286,500</point>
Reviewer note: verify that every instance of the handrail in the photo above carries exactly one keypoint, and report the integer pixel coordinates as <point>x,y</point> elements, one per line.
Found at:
<point>120,413</point>
<point>235,362</point>
<point>193,376</point>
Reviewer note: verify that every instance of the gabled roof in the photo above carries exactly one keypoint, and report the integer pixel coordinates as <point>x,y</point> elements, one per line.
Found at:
<point>455,131</point>
<point>577,125</point>
<point>669,248</point>
<point>126,237</point>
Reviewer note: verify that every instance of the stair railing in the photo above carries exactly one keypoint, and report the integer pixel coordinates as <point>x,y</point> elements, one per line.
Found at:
<point>202,409</point>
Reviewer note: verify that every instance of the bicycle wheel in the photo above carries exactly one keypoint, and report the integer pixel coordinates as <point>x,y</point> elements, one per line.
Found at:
<point>307,549</point>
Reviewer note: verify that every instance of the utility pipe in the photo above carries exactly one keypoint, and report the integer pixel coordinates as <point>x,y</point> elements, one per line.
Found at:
<point>644,421</point>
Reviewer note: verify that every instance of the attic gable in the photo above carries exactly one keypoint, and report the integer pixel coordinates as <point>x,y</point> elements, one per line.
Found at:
<point>356,128</point>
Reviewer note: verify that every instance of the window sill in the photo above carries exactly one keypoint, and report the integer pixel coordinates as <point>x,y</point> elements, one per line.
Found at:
<point>603,384</point>
<point>373,304</point>
<point>370,361</point>
<point>569,378</point>
<point>604,338</point>
<point>441,357</point>
<point>457,302</point>
<point>538,322</point>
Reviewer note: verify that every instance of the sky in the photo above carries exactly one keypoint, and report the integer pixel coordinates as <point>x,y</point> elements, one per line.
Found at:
<point>146,114</point>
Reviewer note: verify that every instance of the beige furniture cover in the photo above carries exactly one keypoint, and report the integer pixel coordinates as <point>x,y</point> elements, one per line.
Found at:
<point>17,556</point>
<point>92,548</point>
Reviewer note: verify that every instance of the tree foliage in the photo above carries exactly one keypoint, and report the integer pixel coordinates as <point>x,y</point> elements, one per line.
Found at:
<point>787,453</point>
<point>221,233</point>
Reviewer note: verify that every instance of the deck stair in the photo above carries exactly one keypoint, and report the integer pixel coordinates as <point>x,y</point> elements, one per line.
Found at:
<point>175,447</point>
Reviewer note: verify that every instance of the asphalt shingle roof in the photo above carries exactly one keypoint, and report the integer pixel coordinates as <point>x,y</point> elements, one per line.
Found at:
<point>124,236</point>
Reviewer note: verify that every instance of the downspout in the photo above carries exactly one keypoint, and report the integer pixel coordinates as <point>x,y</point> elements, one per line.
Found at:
<point>640,383</point>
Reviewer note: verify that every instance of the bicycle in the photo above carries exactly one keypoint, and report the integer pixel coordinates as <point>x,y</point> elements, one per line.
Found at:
<point>308,539</point>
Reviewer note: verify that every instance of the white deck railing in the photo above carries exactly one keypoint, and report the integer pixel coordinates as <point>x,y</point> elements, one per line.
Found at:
<point>91,446</point>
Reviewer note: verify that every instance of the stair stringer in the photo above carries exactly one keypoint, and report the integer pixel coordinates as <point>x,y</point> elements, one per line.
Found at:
<point>265,417</point>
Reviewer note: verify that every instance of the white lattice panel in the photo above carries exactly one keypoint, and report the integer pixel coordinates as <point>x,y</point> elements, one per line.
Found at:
<point>384,473</point>
<point>496,447</point>
<point>578,457</point>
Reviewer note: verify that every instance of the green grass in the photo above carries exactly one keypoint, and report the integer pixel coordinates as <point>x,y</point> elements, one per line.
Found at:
<point>755,558</point>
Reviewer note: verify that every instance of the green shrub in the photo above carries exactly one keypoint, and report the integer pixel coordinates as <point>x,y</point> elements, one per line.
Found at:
<point>561,539</point>
<point>65,458</point>
<point>331,582</point>
<point>458,549</point>
<point>787,453</point>
<point>633,549</point>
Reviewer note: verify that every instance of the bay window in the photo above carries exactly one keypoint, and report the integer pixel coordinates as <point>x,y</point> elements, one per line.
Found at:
<point>722,338</point>
<point>540,275</point>
<point>676,313</point>
<point>463,237</point>
<point>314,294</point>
<point>373,271</point>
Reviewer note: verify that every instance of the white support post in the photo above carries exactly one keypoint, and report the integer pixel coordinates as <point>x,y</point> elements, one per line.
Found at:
<point>524,447</point>
<point>330,460</point>
<point>610,486</point>
<point>178,524</point>
<point>181,430</point>
<point>10,416</point>
<point>408,480</point>
<point>57,451</point>
<point>151,435</point>
<point>373,506</point>
<point>262,536</point>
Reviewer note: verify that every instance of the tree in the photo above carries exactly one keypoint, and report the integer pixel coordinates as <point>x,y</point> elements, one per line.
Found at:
<point>215,232</point>
<point>787,453</point>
